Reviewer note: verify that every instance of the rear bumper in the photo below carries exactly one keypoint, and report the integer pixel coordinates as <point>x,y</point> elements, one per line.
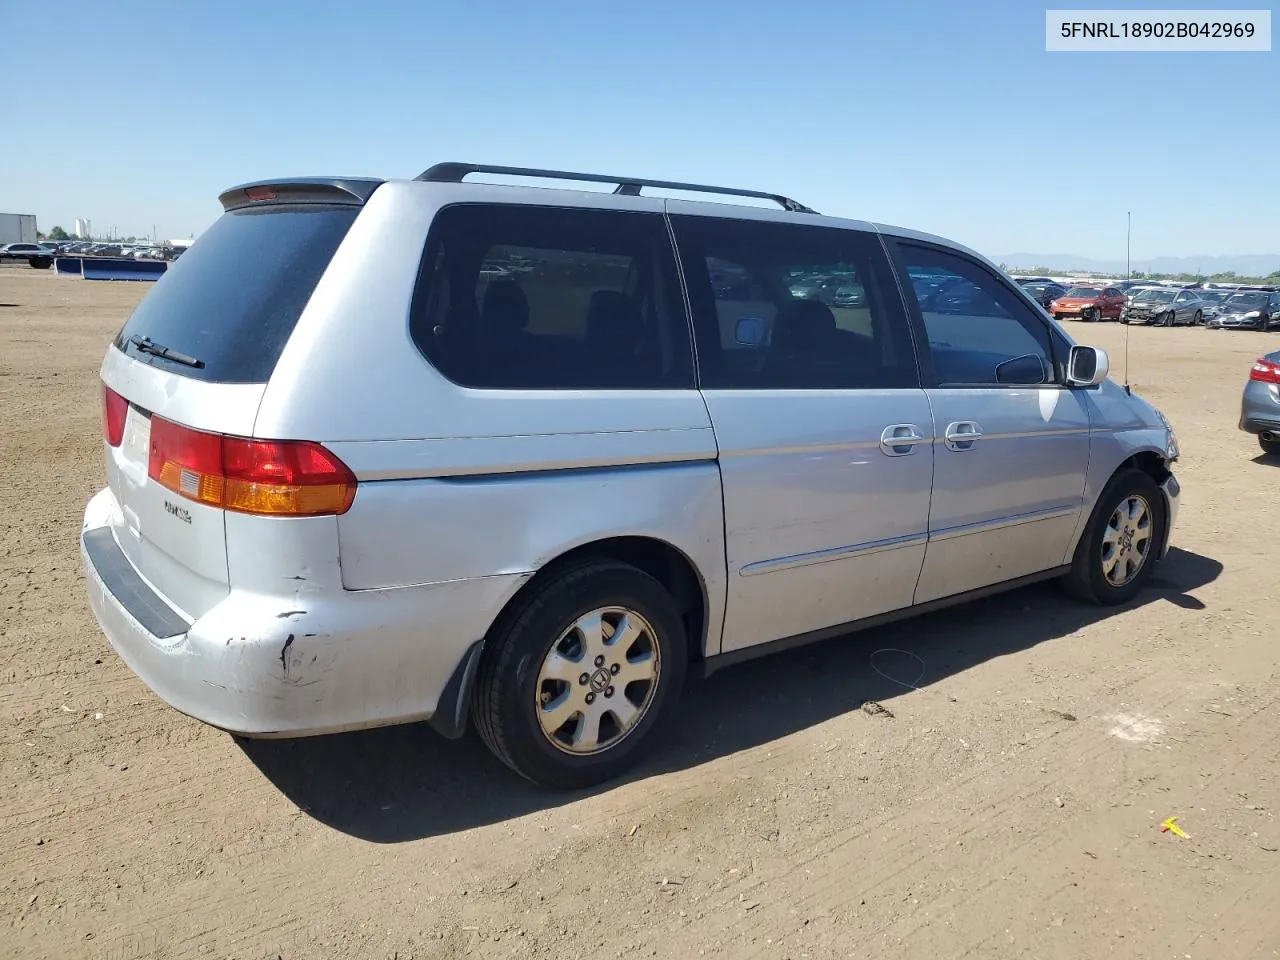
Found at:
<point>292,664</point>
<point>1258,425</point>
<point>1260,407</point>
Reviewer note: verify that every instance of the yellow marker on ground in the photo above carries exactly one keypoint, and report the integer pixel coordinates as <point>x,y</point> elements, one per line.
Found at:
<point>1171,826</point>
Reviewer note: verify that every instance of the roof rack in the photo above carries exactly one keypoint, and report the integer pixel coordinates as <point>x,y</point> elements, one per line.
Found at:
<point>628,186</point>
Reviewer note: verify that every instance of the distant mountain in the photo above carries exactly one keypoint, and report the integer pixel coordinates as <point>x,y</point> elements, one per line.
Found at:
<point>1246,265</point>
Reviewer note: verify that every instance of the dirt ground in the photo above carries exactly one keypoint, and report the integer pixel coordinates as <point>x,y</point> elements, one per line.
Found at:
<point>1011,807</point>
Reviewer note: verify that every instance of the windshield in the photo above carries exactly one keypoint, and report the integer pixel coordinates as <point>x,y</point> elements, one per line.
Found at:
<point>1087,293</point>
<point>1246,301</point>
<point>1214,296</point>
<point>1155,296</point>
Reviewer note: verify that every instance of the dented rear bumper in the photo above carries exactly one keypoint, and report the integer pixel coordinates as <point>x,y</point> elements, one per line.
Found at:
<point>296,663</point>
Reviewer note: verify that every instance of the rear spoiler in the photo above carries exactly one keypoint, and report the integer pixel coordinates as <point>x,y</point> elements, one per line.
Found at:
<point>348,191</point>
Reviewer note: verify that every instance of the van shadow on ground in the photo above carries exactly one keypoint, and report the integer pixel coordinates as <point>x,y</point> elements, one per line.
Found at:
<point>405,783</point>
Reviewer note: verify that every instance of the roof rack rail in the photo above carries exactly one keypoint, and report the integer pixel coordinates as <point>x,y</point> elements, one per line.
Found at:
<point>628,186</point>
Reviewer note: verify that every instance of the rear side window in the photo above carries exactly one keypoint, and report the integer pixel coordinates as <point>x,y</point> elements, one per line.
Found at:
<point>789,306</point>
<point>234,298</point>
<point>545,298</point>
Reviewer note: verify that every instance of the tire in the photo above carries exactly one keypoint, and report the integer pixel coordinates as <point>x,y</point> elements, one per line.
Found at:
<point>1170,319</point>
<point>1271,447</point>
<point>1090,315</point>
<point>41,264</point>
<point>1087,579</point>
<point>1197,319</point>
<point>513,686</point>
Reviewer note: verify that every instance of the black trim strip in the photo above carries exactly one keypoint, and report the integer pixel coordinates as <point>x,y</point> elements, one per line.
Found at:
<point>713,664</point>
<point>491,476</point>
<point>129,589</point>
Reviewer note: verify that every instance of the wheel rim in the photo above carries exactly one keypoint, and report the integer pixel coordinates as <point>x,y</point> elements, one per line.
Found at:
<point>1126,542</point>
<point>597,681</point>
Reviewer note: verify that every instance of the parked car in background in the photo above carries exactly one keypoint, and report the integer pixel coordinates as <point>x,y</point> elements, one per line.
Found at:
<point>1164,307</point>
<point>1043,292</point>
<point>1260,405</point>
<point>850,295</point>
<point>36,254</point>
<point>652,464</point>
<point>1088,303</point>
<point>1127,286</point>
<point>1213,300</point>
<point>1247,310</point>
<point>1132,292</point>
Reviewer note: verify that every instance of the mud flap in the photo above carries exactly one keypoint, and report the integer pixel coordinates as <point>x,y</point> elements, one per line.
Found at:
<point>450,718</point>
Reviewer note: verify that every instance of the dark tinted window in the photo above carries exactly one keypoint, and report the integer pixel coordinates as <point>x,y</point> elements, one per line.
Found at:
<point>979,332</point>
<point>234,298</point>
<point>543,298</point>
<point>786,306</point>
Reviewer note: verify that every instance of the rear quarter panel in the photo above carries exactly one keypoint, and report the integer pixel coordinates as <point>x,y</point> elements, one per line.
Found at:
<point>458,483</point>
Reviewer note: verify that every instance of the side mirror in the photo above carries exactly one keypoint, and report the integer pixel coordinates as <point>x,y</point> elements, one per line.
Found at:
<point>1087,367</point>
<point>1026,370</point>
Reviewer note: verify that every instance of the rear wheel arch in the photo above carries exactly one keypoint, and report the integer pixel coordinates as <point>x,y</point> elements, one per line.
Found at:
<point>521,690</point>
<point>661,560</point>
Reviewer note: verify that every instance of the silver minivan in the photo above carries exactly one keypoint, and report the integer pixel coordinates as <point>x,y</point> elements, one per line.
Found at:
<point>388,451</point>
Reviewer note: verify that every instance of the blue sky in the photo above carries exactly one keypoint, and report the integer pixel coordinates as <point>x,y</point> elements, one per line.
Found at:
<point>948,117</point>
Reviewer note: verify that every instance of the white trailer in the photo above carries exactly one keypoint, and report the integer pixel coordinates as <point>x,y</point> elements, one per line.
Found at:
<point>17,228</point>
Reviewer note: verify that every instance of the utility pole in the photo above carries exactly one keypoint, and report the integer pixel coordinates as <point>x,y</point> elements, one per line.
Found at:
<point>1128,232</point>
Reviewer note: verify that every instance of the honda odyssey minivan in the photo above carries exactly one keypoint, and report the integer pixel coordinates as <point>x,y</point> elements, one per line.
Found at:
<point>528,458</point>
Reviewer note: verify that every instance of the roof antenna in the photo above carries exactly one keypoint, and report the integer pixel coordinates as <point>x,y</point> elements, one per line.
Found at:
<point>1128,231</point>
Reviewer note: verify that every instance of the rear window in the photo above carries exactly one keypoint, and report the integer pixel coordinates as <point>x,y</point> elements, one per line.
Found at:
<point>234,298</point>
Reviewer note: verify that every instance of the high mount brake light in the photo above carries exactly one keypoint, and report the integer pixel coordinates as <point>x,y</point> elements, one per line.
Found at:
<point>289,478</point>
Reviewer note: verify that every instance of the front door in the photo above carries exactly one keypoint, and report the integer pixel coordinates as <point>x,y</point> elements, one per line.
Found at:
<point>1012,444</point>
<point>824,433</point>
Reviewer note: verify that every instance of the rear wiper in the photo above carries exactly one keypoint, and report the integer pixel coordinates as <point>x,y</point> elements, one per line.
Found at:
<point>147,345</point>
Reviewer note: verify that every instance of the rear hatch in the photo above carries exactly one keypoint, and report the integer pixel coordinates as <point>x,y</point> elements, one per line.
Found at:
<point>189,368</point>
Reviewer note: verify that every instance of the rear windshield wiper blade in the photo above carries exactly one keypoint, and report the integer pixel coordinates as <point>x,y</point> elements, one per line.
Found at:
<point>147,345</point>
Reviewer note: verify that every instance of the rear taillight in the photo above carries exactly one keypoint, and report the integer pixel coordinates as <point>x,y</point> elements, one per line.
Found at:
<point>114,410</point>
<point>287,478</point>
<point>1265,371</point>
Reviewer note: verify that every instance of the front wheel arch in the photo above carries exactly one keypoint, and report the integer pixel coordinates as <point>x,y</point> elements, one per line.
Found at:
<point>1083,581</point>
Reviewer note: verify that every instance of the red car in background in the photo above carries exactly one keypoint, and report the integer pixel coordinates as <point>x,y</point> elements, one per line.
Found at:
<point>1089,303</point>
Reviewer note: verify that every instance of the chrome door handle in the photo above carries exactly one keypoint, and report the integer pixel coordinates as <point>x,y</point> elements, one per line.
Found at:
<point>900,439</point>
<point>962,435</point>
